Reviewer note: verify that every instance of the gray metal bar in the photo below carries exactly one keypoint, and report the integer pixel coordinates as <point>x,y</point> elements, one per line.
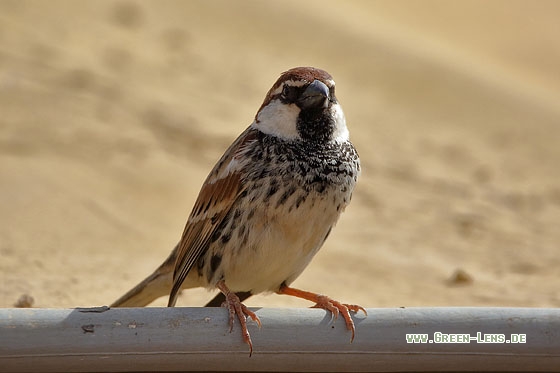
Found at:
<point>196,339</point>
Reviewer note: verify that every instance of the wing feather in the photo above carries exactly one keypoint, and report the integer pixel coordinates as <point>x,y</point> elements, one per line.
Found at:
<point>220,191</point>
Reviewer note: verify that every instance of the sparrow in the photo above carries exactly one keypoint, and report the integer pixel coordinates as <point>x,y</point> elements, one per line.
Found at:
<point>267,206</point>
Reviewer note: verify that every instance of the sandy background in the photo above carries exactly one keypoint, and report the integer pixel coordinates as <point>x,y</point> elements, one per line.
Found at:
<point>112,113</point>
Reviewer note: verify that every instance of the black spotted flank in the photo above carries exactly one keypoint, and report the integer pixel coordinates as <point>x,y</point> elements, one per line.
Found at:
<point>217,233</point>
<point>226,237</point>
<point>284,197</point>
<point>300,200</point>
<point>215,262</point>
<point>241,231</point>
<point>272,189</point>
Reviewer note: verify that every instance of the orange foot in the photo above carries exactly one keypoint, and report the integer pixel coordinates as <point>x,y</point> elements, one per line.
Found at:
<point>326,303</point>
<point>235,307</point>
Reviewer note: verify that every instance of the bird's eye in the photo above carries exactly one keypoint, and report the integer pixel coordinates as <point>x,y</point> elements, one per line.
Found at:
<point>289,93</point>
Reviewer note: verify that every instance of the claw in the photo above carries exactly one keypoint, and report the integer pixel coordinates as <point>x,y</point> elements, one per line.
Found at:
<point>326,303</point>
<point>338,308</point>
<point>235,307</point>
<point>355,308</point>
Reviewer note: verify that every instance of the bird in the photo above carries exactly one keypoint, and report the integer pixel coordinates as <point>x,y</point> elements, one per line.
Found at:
<point>267,206</point>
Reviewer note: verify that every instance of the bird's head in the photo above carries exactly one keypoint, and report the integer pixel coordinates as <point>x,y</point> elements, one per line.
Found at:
<point>302,105</point>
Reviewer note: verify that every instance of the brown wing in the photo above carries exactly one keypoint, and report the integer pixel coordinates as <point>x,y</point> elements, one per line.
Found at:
<point>217,195</point>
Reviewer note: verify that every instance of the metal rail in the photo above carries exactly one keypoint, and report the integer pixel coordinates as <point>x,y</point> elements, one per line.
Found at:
<point>197,339</point>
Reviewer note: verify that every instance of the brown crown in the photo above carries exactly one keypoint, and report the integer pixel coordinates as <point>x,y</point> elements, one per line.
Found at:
<point>306,74</point>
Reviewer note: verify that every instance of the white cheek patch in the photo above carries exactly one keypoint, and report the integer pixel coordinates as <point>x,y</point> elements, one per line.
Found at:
<point>278,119</point>
<point>340,133</point>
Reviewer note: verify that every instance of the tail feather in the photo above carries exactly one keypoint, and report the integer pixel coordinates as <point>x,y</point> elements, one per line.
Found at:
<point>159,284</point>
<point>156,285</point>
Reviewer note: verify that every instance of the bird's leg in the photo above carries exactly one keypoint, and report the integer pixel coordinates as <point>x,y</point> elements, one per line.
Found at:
<point>235,307</point>
<point>326,303</point>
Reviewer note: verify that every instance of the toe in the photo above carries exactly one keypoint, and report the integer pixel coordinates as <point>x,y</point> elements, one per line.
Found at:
<point>252,315</point>
<point>236,308</point>
<point>338,308</point>
<point>355,308</point>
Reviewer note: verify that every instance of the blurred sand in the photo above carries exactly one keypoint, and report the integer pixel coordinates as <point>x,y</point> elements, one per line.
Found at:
<point>112,113</point>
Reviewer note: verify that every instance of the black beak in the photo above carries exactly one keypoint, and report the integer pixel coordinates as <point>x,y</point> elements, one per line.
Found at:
<point>315,96</point>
